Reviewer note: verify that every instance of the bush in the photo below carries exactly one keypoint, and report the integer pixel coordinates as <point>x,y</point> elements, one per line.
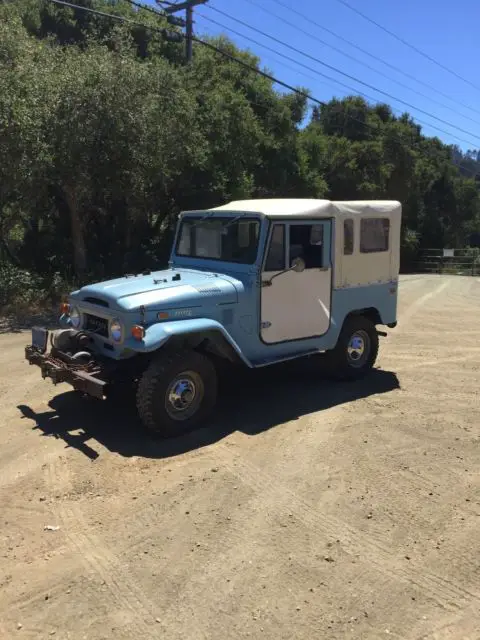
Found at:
<point>409,249</point>
<point>21,289</point>
<point>19,286</point>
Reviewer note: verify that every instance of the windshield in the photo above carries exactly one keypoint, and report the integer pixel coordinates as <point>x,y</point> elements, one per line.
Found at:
<point>214,238</point>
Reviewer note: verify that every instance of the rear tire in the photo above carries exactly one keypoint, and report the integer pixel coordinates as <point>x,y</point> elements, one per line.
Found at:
<point>176,393</point>
<point>356,350</point>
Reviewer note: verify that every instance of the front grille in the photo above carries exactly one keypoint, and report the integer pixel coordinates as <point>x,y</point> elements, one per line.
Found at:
<point>95,325</point>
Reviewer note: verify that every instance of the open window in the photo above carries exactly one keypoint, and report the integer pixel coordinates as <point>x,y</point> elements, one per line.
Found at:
<point>306,242</point>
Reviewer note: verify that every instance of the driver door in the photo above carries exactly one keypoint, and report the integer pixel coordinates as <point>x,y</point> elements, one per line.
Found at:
<point>296,305</point>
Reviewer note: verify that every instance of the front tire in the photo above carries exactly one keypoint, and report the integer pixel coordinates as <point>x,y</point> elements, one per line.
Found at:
<point>356,350</point>
<point>176,393</point>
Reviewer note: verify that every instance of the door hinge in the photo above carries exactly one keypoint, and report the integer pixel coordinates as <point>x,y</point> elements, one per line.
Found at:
<point>266,324</point>
<point>266,283</point>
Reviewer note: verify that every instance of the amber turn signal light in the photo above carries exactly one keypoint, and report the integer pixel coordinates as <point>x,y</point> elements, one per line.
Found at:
<point>138,332</point>
<point>65,308</point>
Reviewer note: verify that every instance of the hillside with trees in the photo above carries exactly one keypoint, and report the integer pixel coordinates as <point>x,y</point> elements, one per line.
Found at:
<point>106,134</point>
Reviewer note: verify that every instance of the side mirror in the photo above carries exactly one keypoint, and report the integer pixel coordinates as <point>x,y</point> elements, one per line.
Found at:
<point>298,265</point>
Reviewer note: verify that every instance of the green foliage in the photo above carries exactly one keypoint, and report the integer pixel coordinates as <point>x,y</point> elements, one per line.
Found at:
<point>20,288</point>
<point>105,135</point>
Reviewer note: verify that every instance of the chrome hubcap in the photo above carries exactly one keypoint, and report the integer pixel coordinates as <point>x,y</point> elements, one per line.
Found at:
<point>358,348</point>
<point>184,395</point>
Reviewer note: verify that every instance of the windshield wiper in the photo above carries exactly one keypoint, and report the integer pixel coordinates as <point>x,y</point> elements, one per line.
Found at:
<point>200,220</point>
<point>233,220</point>
<point>211,214</point>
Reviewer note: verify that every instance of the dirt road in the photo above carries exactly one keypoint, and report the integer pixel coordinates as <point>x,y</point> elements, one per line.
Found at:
<point>310,510</point>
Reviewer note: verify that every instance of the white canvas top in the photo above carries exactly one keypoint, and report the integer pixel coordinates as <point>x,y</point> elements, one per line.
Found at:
<point>312,208</point>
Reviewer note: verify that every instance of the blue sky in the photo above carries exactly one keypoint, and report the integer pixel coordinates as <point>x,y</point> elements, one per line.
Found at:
<point>446,31</point>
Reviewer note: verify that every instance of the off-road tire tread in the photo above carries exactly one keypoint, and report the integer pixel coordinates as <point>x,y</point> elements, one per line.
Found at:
<point>152,377</point>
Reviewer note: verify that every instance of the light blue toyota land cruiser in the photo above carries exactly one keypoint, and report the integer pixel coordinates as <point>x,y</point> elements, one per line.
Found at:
<point>255,282</point>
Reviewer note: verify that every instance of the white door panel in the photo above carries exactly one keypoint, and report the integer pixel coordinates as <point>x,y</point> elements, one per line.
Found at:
<point>296,305</point>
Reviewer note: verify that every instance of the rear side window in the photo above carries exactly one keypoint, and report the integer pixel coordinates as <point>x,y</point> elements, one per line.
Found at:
<point>374,235</point>
<point>276,252</point>
<point>348,237</point>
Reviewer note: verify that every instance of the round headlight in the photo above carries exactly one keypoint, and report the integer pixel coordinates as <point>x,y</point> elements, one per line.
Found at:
<point>75,317</point>
<point>116,330</point>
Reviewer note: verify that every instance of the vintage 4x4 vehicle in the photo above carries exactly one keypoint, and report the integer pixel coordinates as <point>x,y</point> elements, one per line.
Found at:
<point>256,282</point>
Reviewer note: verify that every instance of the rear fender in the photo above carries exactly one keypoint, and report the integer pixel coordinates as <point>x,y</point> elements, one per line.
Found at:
<point>193,332</point>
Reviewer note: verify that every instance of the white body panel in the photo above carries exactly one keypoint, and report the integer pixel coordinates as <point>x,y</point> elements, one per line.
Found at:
<point>361,269</point>
<point>296,305</point>
<point>358,269</point>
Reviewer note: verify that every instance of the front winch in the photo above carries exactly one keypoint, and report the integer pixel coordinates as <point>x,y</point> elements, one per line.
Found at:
<point>79,369</point>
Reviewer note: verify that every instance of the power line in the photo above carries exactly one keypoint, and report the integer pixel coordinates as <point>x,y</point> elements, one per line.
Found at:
<point>343,73</point>
<point>350,77</point>
<point>374,57</point>
<point>158,13</point>
<point>355,59</point>
<point>277,58</point>
<point>223,53</point>
<point>348,116</point>
<point>146,7</point>
<point>202,42</point>
<point>188,5</point>
<point>408,44</point>
<point>164,32</point>
<point>324,75</point>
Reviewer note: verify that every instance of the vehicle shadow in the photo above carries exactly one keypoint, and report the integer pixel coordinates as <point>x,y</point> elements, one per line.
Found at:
<point>250,402</point>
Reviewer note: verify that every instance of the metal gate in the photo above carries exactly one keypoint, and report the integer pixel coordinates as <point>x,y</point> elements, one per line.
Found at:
<point>461,262</point>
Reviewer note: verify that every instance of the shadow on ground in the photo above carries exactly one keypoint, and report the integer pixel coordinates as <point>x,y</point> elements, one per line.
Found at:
<point>250,402</point>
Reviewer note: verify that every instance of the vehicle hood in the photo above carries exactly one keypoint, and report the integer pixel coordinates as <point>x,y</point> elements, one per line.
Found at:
<point>171,288</point>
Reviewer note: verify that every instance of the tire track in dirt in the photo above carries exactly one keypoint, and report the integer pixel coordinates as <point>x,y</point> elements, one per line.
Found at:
<point>464,626</point>
<point>411,366</point>
<point>98,558</point>
<point>235,546</point>
<point>356,543</point>
<point>29,462</point>
<point>419,303</point>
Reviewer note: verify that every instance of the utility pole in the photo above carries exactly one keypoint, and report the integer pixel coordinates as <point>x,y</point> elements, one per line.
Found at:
<point>189,33</point>
<point>180,6</point>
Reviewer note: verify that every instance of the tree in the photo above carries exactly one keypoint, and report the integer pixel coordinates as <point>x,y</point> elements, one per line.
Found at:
<point>105,135</point>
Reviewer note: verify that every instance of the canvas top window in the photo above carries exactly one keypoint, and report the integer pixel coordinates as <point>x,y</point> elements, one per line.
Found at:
<point>374,235</point>
<point>348,237</point>
<point>214,238</point>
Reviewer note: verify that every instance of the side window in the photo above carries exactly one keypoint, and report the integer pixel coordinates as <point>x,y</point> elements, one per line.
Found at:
<point>348,237</point>
<point>276,252</point>
<point>374,235</point>
<point>306,241</point>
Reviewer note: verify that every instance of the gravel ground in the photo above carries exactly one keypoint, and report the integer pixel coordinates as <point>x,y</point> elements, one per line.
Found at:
<point>309,510</point>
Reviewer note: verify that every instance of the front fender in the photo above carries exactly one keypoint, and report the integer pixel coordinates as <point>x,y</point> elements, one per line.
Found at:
<point>157,335</point>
